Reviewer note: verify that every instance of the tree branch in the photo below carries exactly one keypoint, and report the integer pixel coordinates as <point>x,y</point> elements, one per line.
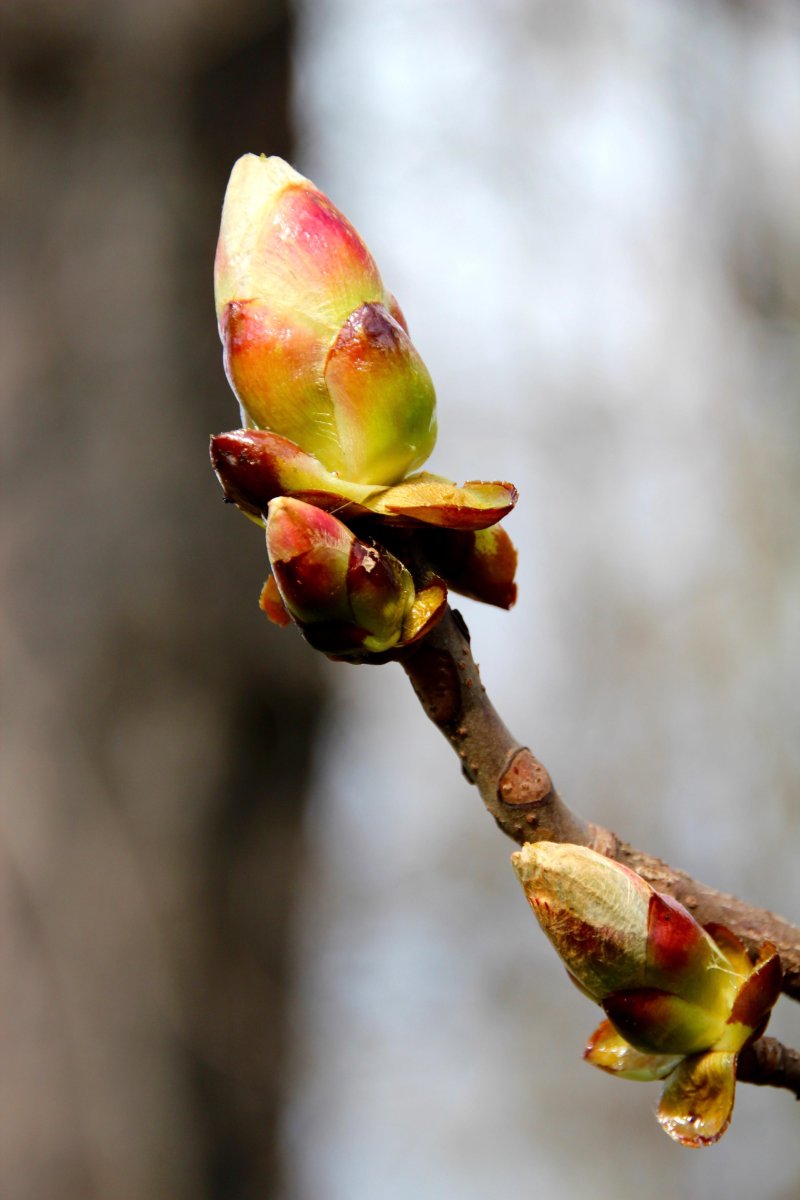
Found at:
<point>769,1062</point>
<point>518,792</point>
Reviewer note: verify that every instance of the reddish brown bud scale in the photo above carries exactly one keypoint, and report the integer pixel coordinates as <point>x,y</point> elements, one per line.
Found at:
<point>657,1022</point>
<point>310,553</point>
<point>352,599</point>
<point>270,602</point>
<point>256,466</point>
<point>760,990</point>
<point>673,936</point>
<point>431,500</point>
<point>680,954</point>
<point>480,564</point>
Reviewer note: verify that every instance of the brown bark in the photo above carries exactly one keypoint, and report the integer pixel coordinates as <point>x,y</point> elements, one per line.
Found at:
<point>769,1062</point>
<point>519,793</point>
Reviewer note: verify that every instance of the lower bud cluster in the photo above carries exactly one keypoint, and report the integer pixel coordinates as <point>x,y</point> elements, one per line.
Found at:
<point>364,571</point>
<point>351,598</point>
<point>681,1001</point>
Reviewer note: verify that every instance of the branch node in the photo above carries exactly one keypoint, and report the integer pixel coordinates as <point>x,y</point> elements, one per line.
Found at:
<point>518,792</point>
<point>525,780</point>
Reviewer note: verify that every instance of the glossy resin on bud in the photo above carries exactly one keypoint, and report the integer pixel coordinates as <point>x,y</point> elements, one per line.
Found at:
<point>255,466</point>
<point>352,599</point>
<point>315,348</point>
<point>680,1002</point>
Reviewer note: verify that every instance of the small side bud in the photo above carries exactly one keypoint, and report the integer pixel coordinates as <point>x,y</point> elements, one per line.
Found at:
<point>680,1003</point>
<point>593,911</point>
<point>351,599</point>
<point>616,933</point>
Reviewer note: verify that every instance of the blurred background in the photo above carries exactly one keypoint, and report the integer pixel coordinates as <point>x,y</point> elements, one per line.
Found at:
<point>220,979</point>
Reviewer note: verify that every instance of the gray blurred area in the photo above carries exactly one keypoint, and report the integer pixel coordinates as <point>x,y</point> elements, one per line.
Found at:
<point>257,938</point>
<point>156,735</point>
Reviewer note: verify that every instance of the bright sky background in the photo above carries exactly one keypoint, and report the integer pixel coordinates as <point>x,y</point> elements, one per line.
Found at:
<point>589,216</point>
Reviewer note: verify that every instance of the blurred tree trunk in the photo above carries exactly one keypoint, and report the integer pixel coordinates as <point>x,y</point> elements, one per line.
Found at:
<point>156,733</point>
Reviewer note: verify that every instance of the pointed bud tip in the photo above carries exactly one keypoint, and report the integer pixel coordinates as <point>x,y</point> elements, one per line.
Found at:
<point>254,184</point>
<point>551,861</point>
<point>593,910</point>
<point>294,528</point>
